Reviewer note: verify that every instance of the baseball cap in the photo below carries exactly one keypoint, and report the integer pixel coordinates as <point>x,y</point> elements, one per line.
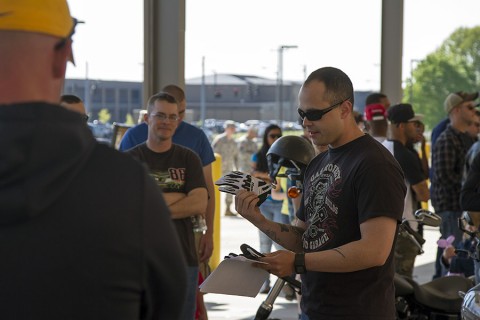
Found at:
<point>50,17</point>
<point>375,112</point>
<point>229,124</point>
<point>454,99</point>
<point>402,112</point>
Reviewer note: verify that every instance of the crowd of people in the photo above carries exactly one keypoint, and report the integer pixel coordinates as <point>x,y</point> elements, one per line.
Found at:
<point>92,233</point>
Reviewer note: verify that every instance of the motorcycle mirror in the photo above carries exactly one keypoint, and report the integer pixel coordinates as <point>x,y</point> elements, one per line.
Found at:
<point>428,218</point>
<point>472,218</point>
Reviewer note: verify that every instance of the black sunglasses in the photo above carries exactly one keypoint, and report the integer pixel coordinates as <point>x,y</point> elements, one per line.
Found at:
<point>274,136</point>
<point>63,41</point>
<point>315,115</point>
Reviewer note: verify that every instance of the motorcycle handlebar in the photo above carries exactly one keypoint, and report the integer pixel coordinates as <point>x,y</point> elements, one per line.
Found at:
<point>413,235</point>
<point>253,254</point>
<point>412,232</point>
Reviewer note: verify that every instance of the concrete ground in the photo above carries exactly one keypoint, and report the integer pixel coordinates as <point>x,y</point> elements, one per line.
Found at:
<point>236,230</point>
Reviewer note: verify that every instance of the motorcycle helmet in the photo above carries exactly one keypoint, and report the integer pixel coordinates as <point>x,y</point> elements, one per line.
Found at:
<point>292,152</point>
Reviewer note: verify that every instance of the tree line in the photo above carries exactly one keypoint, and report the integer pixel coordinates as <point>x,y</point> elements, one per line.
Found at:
<point>454,66</point>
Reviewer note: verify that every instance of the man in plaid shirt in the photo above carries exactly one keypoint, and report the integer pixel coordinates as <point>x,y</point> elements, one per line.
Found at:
<point>448,159</point>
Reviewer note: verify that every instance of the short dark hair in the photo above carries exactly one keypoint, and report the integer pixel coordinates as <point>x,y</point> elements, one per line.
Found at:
<point>70,98</point>
<point>160,96</point>
<point>374,98</point>
<point>337,84</point>
<point>174,91</point>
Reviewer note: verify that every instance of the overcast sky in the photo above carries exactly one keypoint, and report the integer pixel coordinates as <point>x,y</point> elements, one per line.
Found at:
<point>242,36</point>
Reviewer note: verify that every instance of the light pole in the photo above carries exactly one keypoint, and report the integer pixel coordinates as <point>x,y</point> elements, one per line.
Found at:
<point>203,104</point>
<point>280,79</point>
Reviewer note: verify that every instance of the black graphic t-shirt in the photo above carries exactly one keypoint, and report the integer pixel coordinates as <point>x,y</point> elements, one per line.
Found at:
<point>176,170</point>
<point>343,188</point>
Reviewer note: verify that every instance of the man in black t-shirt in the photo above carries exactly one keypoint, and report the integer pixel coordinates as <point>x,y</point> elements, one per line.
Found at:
<point>342,244</point>
<point>403,130</point>
<point>178,172</point>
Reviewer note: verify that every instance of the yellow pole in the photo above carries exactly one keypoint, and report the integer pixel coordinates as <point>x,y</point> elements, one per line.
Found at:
<point>216,174</point>
<point>425,204</point>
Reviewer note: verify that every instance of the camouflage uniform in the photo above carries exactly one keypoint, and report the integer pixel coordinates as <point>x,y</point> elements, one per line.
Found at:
<point>405,253</point>
<point>228,149</point>
<point>246,148</point>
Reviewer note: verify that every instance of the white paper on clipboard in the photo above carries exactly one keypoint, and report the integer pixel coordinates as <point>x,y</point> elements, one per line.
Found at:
<point>235,276</point>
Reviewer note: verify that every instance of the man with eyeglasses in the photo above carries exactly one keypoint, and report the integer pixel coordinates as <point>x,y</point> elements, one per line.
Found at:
<point>342,243</point>
<point>448,160</point>
<point>75,242</point>
<point>178,172</point>
<point>442,125</point>
<point>189,136</point>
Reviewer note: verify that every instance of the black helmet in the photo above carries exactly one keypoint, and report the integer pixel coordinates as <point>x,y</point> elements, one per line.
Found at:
<point>292,152</point>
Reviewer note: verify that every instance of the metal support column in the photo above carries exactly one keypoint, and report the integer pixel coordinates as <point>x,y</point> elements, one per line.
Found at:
<point>392,50</point>
<point>164,45</point>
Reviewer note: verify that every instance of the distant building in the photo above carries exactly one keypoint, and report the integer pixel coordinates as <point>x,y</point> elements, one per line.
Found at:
<point>241,98</point>
<point>119,97</point>
<point>227,96</point>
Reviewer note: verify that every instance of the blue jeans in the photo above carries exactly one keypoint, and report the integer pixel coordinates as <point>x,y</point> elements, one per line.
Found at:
<point>272,210</point>
<point>448,227</point>
<point>190,304</point>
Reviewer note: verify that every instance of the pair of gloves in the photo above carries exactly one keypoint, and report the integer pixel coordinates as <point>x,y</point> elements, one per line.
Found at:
<point>235,181</point>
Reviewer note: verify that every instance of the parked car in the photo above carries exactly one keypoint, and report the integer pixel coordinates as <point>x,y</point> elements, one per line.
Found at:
<point>103,132</point>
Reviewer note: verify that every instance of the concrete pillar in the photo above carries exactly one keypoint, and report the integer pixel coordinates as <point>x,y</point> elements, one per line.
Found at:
<point>392,50</point>
<point>164,45</point>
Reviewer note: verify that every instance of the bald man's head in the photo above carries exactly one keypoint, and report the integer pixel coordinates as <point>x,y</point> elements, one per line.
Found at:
<point>73,103</point>
<point>179,96</point>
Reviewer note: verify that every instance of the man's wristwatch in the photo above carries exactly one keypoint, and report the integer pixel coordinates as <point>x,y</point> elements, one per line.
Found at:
<point>299,263</point>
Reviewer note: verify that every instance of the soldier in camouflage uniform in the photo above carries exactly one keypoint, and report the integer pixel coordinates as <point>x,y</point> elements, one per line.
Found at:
<point>247,146</point>
<point>225,145</point>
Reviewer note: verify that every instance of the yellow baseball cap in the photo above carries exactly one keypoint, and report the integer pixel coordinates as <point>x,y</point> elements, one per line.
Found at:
<point>51,17</point>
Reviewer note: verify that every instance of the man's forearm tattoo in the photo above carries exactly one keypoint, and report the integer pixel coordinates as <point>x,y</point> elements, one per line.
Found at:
<point>298,232</point>
<point>339,252</point>
<point>289,228</point>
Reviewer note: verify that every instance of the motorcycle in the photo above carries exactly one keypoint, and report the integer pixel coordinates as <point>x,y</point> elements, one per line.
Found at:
<point>470,309</point>
<point>436,300</point>
<point>266,307</point>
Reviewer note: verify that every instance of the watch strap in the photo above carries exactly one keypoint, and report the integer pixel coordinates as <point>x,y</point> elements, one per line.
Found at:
<point>299,263</point>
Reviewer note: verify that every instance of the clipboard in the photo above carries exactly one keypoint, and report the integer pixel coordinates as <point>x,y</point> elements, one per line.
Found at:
<point>235,276</point>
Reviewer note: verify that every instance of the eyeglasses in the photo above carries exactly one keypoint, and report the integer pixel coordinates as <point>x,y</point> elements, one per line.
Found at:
<point>63,41</point>
<point>275,135</point>
<point>60,44</point>
<point>163,117</point>
<point>315,115</point>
